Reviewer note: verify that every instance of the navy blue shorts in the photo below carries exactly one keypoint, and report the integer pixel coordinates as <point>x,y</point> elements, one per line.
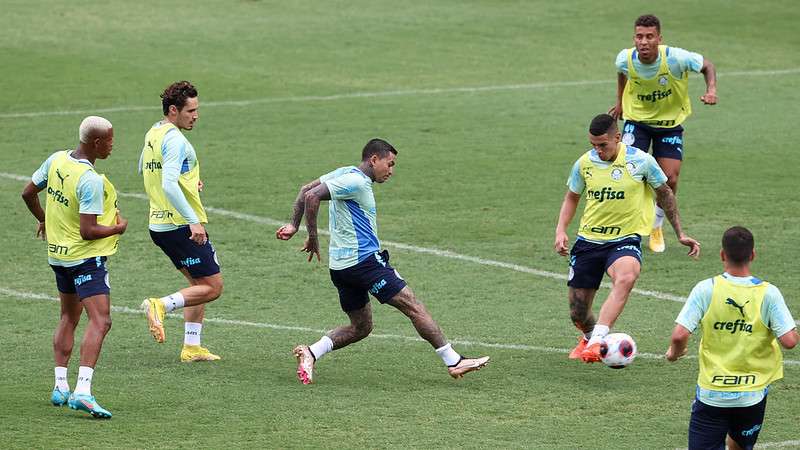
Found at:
<point>373,275</point>
<point>589,261</point>
<point>199,260</point>
<point>666,142</point>
<point>86,279</point>
<point>709,425</point>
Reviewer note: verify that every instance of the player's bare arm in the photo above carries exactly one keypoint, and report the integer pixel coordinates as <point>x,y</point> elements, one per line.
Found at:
<point>710,74</point>
<point>666,200</point>
<point>91,230</point>
<point>616,110</point>
<point>30,194</point>
<point>286,232</point>
<point>568,208</point>
<point>313,197</point>
<point>789,340</point>
<point>678,343</point>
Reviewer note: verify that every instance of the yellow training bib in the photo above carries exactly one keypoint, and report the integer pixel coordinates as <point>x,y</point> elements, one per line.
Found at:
<point>660,102</point>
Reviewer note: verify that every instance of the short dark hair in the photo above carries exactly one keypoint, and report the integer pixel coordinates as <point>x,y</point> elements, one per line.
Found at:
<point>738,243</point>
<point>176,94</point>
<point>648,20</point>
<point>377,147</point>
<point>602,124</point>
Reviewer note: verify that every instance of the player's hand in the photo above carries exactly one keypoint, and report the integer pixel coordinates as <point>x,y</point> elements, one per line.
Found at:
<point>672,356</point>
<point>694,246</point>
<point>41,232</point>
<point>199,235</point>
<point>561,245</point>
<point>200,186</point>
<point>616,111</point>
<point>311,247</point>
<point>709,98</point>
<point>122,224</point>
<point>286,232</point>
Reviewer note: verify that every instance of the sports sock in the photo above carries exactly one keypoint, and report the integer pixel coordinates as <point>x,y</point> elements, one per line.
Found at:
<point>173,301</point>
<point>322,346</point>
<point>61,379</point>
<point>448,355</point>
<point>84,385</point>
<point>659,222</point>
<point>600,331</point>
<point>191,333</point>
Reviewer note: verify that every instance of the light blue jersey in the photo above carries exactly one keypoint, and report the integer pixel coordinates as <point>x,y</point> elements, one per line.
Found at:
<point>178,157</point>
<point>641,166</point>
<point>352,217</point>
<point>89,193</point>
<point>678,60</point>
<point>774,313</point>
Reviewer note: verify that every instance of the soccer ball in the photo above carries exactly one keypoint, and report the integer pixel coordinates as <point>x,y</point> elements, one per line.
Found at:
<point>617,350</point>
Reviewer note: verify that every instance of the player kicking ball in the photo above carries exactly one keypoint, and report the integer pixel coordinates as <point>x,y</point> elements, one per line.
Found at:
<point>357,266</point>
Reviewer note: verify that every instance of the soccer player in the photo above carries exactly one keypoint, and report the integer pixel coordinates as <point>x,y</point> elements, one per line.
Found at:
<point>741,317</point>
<point>171,174</point>
<point>653,98</point>
<point>357,266</point>
<point>618,182</point>
<point>81,224</point>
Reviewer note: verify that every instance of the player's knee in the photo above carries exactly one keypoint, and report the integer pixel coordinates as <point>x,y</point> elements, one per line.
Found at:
<point>215,290</point>
<point>626,279</point>
<point>103,324</point>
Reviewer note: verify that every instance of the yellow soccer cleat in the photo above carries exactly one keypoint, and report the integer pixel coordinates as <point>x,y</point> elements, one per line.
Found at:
<point>191,353</point>
<point>154,311</point>
<point>656,242</point>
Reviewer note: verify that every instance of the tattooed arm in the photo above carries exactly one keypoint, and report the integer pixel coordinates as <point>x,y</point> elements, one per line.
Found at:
<point>312,198</point>
<point>286,232</point>
<point>666,200</point>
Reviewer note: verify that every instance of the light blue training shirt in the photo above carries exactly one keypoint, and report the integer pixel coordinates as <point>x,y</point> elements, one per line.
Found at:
<point>678,60</point>
<point>352,217</point>
<point>89,192</point>
<point>178,157</point>
<point>641,166</point>
<point>774,313</point>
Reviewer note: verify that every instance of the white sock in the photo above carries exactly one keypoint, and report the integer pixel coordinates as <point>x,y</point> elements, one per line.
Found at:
<point>659,222</point>
<point>173,301</point>
<point>322,346</point>
<point>448,355</point>
<point>191,333</point>
<point>84,385</point>
<point>599,332</point>
<point>61,379</point>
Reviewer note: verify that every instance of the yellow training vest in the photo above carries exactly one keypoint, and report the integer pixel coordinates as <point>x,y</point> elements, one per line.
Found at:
<point>738,351</point>
<point>62,212</point>
<point>617,204</point>
<point>660,102</point>
<point>161,210</point>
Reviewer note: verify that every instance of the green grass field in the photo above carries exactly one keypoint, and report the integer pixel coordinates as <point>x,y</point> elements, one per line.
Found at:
<point>488,104</point>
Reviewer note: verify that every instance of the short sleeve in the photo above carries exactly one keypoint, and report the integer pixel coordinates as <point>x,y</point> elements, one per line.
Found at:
<point>696,305</point>
<point>652,172</point>
<point>778,317</point>
<point>681,60</point>
<point>575,182</point>
<point>90,193</point>
<point>346,186</point>
<point>39,178</point>
<point>622,62</point>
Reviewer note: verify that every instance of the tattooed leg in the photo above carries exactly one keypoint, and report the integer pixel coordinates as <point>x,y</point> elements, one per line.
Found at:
<point>426,327</point>
<point>580,308</point>
<point>359,328</point>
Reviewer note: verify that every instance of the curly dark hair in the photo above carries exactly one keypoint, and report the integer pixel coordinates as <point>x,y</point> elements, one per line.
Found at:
<point>176,94</point>
<point>648,20</point>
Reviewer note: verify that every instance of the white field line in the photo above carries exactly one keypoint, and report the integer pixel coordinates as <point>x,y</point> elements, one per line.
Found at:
<point>377,94</point>
<point>534,348</point>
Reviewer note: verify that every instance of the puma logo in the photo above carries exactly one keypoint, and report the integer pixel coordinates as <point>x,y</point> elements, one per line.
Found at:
<point>58,174</point>
<point>150,144</point>
<point>733,303</point>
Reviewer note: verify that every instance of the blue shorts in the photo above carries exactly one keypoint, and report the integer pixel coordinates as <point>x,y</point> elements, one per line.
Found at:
<point>589,261</point>
<point>86,279</point>
<point>667,142</point>
<point>199,260</point>
<point>709,425</point>
<point>373,275</point>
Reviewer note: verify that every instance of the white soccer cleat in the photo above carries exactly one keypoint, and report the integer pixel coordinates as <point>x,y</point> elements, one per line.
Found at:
<point>466,365</point>
<point>305,364</point>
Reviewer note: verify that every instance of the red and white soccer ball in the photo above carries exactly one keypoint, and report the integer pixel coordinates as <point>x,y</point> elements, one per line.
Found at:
<point>617,350</point>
